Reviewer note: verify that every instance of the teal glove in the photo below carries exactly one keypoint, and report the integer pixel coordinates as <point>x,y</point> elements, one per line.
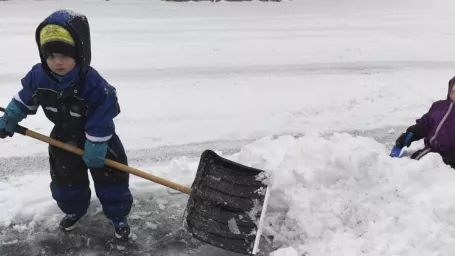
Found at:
<point>94,154</point>
<point>8,122</point>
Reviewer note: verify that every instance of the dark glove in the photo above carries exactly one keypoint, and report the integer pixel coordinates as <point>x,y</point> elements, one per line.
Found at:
<point>401,141</point>
<point>8,122</point>
<point>416,135</point>
<point>94,154</point>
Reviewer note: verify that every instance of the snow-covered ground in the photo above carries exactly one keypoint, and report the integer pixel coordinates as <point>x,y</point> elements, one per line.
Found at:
<point>312,91</point>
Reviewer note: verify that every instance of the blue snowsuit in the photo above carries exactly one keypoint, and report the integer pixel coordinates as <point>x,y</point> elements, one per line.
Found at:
<point>80,110</point>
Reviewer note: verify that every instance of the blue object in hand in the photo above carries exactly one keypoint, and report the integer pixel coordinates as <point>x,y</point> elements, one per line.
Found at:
<point>8,122</point>
<point>396,150</point>
<point>94,154</point>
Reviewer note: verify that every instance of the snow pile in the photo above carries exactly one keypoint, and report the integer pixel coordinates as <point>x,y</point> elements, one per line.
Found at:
<point>344,195</point>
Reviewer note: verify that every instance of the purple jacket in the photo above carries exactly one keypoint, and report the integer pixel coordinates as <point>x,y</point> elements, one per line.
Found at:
<point>438,127</point>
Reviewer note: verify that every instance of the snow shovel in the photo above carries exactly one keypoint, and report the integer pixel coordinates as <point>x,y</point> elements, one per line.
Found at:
<point>227,200</point>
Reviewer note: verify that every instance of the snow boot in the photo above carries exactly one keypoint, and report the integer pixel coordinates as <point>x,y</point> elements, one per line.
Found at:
<point>69,222</point>
<point>122,230</point>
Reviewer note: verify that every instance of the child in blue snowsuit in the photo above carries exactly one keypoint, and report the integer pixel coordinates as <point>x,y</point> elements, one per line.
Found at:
<point>82,106</point>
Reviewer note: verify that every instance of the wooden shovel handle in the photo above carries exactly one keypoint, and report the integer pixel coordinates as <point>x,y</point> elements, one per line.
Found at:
<point>116,165</point>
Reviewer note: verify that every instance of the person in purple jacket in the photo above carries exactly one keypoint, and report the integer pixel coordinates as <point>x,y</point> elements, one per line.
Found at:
<point>437,127</point>
<point>82,106</point>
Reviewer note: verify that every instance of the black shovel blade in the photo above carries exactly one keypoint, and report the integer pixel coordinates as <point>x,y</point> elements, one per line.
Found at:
<point>225,203</point>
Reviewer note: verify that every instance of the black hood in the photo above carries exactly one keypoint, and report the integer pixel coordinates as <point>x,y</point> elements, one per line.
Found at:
<point>77,25</point>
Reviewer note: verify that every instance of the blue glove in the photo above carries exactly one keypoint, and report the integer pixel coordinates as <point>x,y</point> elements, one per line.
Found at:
<point>8,122</point>
<point>94,154</point>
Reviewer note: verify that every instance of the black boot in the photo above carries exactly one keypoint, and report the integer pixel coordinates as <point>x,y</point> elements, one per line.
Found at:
<point>69,222</point>
<point>122,230</point>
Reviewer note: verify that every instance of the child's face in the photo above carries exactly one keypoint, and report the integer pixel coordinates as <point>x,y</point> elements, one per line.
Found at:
<point>60,64</point>
<point>452,95</point>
